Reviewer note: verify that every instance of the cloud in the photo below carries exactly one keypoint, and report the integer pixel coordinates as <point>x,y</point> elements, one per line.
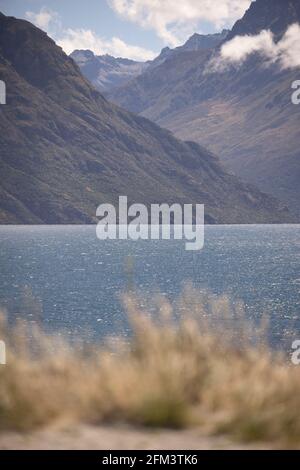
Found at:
<point>44,18</point>
<point>285,52</point>
<point>71,39</point>
<point>289,48</point>
<point>175,20</point>
<point>86,39</point>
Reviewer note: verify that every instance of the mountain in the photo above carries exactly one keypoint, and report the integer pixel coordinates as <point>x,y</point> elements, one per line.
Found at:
<point>65,149</point>
<point>203,41</point>
<point>196,42</point>
<point>106,72</point>
<point>275,15</point>
<point>244,114</point>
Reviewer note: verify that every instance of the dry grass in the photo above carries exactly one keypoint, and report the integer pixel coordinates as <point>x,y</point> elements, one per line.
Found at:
<point>181,368</point>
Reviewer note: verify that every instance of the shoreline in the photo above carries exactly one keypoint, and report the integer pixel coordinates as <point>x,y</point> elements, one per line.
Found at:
<point>120,437</point>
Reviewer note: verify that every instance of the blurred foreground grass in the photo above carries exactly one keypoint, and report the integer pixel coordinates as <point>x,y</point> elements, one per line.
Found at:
<point>183,367</point>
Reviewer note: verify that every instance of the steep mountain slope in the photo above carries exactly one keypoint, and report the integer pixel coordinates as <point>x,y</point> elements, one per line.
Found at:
<point>65,149</point>
<point>106,72</point>
<point>245,114</point>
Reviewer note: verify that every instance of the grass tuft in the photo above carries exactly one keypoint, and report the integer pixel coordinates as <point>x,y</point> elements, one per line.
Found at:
<point>182,367</point>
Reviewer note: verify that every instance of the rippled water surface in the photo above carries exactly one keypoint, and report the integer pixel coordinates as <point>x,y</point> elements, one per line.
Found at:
<point>72,281</point>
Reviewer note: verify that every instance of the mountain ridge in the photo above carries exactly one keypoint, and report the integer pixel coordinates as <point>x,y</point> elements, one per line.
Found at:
<point>106,72</point>
<point>244,114</point>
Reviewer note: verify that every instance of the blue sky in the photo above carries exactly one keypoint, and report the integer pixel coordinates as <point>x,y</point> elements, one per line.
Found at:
<point>137,29</point>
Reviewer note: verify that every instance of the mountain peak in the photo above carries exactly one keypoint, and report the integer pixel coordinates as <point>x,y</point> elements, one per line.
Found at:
<point>275,15</point>
<point>204,41</point>
<point>105,71</point>
<point>86,52</point>
<point>165,50</point>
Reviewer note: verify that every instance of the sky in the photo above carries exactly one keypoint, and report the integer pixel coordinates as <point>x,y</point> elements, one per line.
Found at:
<point>136,29</point>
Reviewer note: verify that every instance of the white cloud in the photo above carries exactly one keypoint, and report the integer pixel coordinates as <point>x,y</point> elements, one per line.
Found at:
<point>44,18</point>
<point>289,47</point>
<point>286,52</point>
<point>71,39</point>
<point>87,39</point>
<point>175,20</point>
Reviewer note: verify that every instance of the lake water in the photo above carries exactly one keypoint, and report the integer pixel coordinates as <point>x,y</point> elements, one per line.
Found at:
<point>73,281</point>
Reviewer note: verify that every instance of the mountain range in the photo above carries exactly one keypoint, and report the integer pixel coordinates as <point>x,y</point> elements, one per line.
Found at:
<point>65,149</point>
<point>243,113</point>
<point>106,72</point>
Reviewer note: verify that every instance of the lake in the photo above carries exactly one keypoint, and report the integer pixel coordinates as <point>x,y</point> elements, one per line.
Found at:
<point>71,281</point>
